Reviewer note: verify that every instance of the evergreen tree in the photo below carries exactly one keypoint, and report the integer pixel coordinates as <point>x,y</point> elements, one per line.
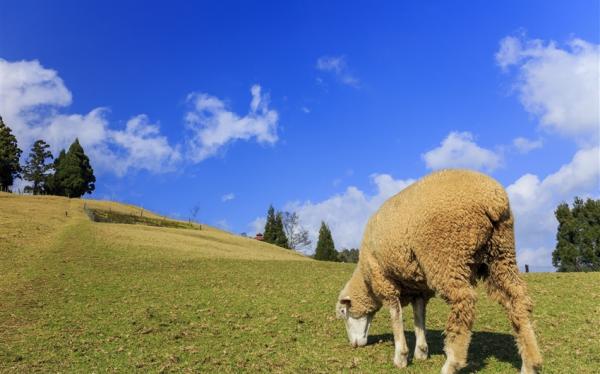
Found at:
<point>9,157</point>
<point>73,176</point>
<point>325,248</point>
<point>36,169</point>
<point>274,232</point>
<point>280,237</point>
<point>578,236</point>
<point>53,186</point>
<point>268,234</point>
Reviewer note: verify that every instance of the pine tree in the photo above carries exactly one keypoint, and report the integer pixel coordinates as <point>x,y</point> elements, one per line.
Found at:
<point>9,157</point>
<point>53,186</point>
<point>36,169</point>
<point>280,237</point>
<point>269,235</point>
<point>274,232</point>
<point>73,175</point>
<point>325,248</point>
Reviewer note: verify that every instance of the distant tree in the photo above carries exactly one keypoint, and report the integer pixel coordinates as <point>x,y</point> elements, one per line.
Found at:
<point>269,235</point>
<point>36,169</point>
<point>578,236</point>
<point>297,235</point>
<point>73,176</point>
<point>53,185</point>
<point>280,237</point>
<point>274,232</point>
<point>9,157</point>
<point>325,248</point>
<point>348,255</point>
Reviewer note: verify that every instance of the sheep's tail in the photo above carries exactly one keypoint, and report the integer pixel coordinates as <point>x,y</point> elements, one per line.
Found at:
<point>497,208</point>
<point>501,245</point>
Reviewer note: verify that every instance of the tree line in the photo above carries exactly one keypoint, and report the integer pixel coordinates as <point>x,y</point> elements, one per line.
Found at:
<point>284,229</point>
<point>69,174</point>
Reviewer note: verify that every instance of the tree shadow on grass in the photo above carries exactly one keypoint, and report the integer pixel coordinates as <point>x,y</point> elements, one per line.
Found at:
<point>484,345</point>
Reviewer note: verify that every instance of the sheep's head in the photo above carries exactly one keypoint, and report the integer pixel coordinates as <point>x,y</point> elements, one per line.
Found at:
<point>356,305</point>
<point>357,324</point>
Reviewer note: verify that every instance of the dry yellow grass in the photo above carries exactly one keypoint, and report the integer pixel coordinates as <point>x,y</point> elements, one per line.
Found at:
<point>31,220</point>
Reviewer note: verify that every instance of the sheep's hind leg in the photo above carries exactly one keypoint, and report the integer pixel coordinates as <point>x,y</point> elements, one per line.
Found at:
<point>458,328</point>
<point>506,286</point>
<point>401,348</point>
<point>421,348</point>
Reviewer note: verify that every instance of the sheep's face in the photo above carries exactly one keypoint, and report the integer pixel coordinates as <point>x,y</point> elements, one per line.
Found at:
<point>357,326</point>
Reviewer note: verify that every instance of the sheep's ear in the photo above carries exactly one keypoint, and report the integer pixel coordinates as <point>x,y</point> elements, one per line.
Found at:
<point>344,306</point>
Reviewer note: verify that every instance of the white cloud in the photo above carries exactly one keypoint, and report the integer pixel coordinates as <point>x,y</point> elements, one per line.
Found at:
<point>31,97</point>
<point>510,52</point>
<point>213,126</point>
<point>524,145</point>
<point>561,86</point>
<point>228,197</point>
<point>346,213</point>
<point>143,147</point>
<point>539,259</point>
<point>25,85</point>
<point>458,150</point>
<point>258,225</point>
<point>533,201</point>
<point>337,65</point>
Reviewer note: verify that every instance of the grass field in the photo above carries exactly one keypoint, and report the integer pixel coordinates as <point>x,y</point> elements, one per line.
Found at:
<point>81,296</point>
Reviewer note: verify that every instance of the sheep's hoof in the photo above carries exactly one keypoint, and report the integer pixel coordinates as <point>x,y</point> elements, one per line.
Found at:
<point>401,361</point>
<point>421,352</point>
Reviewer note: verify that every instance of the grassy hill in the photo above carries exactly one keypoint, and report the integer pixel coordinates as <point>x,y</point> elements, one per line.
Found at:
<point>77,295</point>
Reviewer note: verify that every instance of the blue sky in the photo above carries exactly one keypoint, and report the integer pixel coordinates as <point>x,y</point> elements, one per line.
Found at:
<point>326,109</point>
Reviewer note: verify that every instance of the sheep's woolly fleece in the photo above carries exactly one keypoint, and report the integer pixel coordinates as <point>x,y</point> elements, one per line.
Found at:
<point>441,220</point>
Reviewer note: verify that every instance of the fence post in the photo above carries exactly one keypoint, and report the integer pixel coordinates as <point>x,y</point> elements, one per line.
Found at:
<point>526,268</point>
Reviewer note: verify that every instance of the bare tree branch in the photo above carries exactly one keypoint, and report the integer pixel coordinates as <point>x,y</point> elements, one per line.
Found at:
<point>296,234</point>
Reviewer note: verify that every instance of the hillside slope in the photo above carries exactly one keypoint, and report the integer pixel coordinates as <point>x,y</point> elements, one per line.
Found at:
<point>80,296</point>
<point>26,220</point>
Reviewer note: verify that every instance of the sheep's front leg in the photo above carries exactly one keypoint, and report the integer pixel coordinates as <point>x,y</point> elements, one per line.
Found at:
<point>421,349</point>
<point>401,348</point>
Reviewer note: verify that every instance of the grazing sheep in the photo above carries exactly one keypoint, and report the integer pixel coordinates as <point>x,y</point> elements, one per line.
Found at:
<point>439,236</point>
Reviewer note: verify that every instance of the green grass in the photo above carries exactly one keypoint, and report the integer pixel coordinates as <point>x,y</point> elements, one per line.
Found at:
<point>80,296</point>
